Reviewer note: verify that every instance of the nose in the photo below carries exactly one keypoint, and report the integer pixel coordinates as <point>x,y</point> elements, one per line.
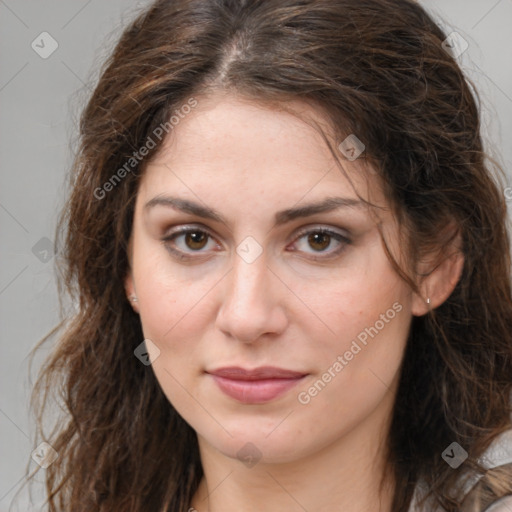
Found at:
<point>253,302</point>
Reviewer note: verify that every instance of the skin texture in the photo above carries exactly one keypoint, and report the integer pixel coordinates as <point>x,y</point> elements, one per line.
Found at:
<point>286,309</point>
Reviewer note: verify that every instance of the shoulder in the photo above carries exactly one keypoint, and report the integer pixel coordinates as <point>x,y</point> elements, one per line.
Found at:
<point>502,505</point>
<point>497,456</point>
<point>500,451</point>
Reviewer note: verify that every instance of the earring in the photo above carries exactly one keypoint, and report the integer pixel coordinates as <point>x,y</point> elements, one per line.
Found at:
<point>428,300</point>
<point>133,298</point>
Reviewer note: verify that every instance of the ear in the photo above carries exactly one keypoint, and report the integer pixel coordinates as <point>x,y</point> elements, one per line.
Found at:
<point>441,275</point>
<point>129,285</point>
<point>129,288</point>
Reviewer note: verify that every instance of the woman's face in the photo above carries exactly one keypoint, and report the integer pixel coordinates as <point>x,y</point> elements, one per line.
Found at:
<point>262,280</point>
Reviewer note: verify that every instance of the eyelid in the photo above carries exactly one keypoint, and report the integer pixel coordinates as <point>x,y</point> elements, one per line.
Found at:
<point>186,228</point>
<point>171,235</point>
<point>343,238</point>
<point>320,228</point>
<point>302,231</point>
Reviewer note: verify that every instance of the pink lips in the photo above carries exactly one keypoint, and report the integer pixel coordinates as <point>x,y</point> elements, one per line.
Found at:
<point>255,386</point>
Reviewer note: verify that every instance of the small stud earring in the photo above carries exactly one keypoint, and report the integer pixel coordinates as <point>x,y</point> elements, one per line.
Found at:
<point>428,300</point>
<point>133,298</point>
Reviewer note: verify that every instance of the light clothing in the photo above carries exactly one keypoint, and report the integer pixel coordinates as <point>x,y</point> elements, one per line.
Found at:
<point>499,453</point>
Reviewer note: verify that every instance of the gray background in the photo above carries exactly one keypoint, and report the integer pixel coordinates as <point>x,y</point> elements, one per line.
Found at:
<point>40,100</point>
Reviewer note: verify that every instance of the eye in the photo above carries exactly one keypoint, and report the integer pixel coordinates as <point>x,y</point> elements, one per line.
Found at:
<point>320,240</point>
<point>187,240</point>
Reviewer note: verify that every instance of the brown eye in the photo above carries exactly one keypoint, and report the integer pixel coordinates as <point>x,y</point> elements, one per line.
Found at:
<point>196,240</point>
<point>319,241</point>
<point>189,242</point>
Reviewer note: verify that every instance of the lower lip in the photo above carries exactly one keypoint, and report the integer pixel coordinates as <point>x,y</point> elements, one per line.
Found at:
<point>255,391</point>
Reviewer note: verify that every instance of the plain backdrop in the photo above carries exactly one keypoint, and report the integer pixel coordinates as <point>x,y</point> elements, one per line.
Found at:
<point>41,95</point>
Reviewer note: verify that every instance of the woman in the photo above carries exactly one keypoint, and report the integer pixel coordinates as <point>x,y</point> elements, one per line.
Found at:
<point>291,270</point>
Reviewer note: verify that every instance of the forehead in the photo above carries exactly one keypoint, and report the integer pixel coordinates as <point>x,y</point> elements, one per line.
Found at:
<point>232,145</point>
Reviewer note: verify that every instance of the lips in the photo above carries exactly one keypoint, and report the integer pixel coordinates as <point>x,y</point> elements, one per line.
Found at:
<point>255,386</point>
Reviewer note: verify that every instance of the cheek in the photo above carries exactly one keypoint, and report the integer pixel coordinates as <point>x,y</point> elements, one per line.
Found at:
<point>172,311</point>
<point>361,297</point>
<point>170,295</point>
<point>175,319</point>
<point>358,368</point>
<point>367,313</point>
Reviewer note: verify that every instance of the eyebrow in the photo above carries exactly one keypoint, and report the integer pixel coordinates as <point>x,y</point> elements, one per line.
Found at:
<point>325,205</point>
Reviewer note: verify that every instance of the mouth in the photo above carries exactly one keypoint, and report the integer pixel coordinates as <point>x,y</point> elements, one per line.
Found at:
<point>255,386</point>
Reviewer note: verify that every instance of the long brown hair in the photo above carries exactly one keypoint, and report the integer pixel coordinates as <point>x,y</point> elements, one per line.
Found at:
<point>378,69</point>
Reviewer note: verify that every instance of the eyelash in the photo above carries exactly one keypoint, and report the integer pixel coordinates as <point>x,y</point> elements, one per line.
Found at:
<point>343,240</point>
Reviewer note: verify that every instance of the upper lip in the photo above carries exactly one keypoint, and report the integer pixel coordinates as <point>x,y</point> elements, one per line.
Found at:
<point>263,372</point>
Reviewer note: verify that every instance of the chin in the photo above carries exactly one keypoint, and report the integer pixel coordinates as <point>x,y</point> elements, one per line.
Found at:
<point>252,441</point>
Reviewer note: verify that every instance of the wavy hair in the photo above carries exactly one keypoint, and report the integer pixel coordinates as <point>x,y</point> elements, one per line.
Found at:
<point>376,68</point>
